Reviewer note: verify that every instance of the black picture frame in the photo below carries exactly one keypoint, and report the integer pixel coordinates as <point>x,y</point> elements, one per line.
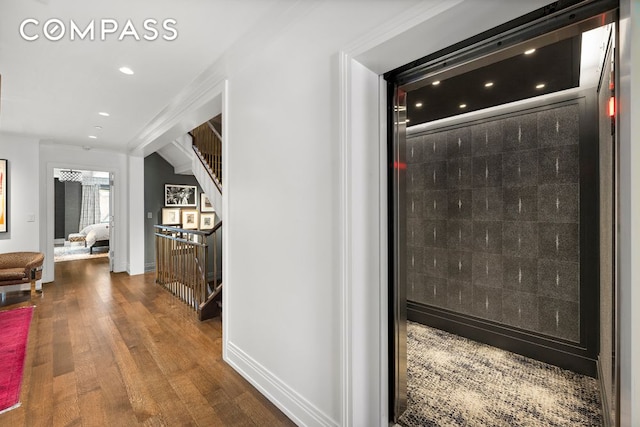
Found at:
<point>178,195</point>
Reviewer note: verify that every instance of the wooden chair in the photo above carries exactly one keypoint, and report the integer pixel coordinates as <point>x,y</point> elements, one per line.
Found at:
<point>17,268</point>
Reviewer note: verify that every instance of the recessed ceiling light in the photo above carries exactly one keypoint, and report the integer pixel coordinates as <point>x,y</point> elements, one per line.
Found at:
<point>418,104</point>
<point>98,127</point>
<point>540,86</point>
<point>488,84</point>
<point>436,83</point>
<point>529,52</point>
<point>93,137</point>
<point>126,70</point>
<point>463,105</point>
<point>102,113</point>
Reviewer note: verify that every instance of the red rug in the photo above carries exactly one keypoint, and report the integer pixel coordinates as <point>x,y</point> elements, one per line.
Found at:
<point>14,330</point>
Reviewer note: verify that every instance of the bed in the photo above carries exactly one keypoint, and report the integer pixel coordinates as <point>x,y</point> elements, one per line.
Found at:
<point>93,236</point>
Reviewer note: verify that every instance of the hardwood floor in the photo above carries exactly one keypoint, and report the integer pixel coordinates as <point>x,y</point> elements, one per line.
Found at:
<point>117,350</point>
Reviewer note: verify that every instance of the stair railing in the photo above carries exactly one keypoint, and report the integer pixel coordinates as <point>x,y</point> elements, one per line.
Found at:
<point>182,258</point>
<point>207,144</point>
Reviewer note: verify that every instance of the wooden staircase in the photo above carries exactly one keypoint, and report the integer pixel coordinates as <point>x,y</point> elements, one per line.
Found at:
<point>184,258</point>
<point>212,307</point>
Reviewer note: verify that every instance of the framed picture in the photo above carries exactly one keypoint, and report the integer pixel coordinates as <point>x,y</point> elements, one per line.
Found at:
<point>205,204</point>
<point>207,221</point>
<point>189,219</point>
<point>171,216</point>
<point>3,196</point>
<point>180,195</point>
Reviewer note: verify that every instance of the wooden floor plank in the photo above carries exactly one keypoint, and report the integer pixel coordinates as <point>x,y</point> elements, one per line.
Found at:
<point>199,408</point>
<point>113,349</point>
<point>92,409</point>
<point>66,411</point>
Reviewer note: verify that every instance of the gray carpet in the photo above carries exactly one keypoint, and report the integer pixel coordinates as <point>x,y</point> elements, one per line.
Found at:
<point>453,381</point>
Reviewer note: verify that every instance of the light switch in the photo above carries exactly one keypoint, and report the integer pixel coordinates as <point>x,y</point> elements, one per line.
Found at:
<point>149,215</point>
<point>31,217</point>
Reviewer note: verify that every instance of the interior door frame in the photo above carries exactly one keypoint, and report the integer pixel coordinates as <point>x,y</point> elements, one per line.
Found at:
<point>112,221</point>
<point>47,182</point>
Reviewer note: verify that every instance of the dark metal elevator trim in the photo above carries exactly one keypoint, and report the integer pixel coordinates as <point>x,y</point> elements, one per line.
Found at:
<point>565,16</point>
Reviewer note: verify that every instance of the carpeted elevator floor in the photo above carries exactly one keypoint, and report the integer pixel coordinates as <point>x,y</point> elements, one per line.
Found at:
<point>453,381</point>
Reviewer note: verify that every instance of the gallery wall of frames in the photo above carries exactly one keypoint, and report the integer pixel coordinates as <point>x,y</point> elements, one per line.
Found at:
<point>181,208</point>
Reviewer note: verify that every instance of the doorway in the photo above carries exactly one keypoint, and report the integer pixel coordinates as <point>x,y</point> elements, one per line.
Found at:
<point>82,210</point>
<point>502,176</point>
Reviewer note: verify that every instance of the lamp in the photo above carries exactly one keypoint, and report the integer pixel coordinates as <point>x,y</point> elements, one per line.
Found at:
<point>70,176</point>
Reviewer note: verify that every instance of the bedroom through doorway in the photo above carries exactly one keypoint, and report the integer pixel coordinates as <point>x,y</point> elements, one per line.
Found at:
<point>82,210</point>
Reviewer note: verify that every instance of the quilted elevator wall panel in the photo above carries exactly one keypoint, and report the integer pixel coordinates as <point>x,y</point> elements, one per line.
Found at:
<point>493,220</point>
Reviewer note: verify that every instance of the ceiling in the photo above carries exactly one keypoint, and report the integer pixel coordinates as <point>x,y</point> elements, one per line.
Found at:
<point>54,90</point>
<point>548,69</point>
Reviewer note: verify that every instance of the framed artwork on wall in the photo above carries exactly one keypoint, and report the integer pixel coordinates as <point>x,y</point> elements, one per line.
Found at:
<point>180,195</point>
<point>189,219</point>
<point>171,216</point>
<point>207,221</point>
<point>3,196</point>
<point>205,204</point>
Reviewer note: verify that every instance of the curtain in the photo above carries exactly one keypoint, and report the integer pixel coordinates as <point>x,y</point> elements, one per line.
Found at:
<point>90,209</point>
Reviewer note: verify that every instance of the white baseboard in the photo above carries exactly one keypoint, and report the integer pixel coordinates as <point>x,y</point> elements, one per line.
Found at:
<point>296,407</point>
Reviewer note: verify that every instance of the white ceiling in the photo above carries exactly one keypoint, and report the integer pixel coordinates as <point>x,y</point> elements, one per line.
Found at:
<point>54,90</point>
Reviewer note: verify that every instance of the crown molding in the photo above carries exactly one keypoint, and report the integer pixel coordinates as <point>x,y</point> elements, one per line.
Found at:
<point>210,83</point>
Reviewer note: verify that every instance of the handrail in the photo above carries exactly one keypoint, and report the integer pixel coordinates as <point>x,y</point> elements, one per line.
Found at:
<point>190,231</point>
<point>178,239</point>
<point>207,143</point>
<point>200,156</point>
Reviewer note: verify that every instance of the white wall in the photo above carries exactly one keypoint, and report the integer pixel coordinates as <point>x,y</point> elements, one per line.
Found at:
<point>24,195</point>
<point>22,155</point>
<point>57,156</point>
<point>136,218</point>
<point>284,256</point>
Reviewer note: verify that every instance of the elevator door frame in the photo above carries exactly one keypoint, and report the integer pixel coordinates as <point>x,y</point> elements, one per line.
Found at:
<point>460,56</point>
